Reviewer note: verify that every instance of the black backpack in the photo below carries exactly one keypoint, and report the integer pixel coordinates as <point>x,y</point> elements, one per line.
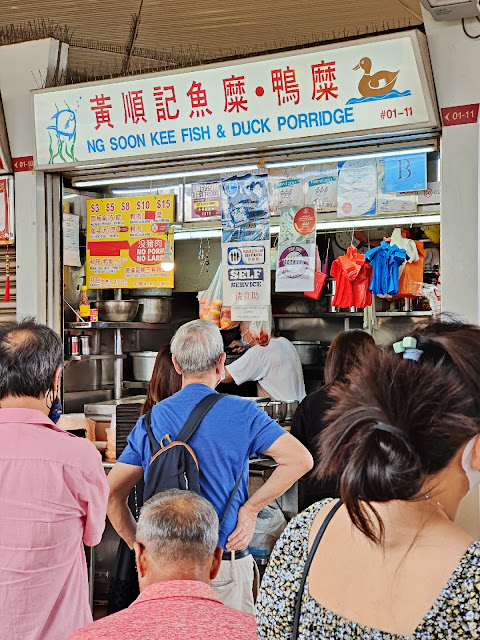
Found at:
<point>174,465</point>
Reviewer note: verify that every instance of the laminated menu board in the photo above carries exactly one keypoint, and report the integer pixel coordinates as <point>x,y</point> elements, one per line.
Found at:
<point>127,242</point>
<point>394,202</point>
<point>357,187</point>
<point>320,186</point>
<point>245,215</point>
<point>285,189</point>
<point>206,200</point>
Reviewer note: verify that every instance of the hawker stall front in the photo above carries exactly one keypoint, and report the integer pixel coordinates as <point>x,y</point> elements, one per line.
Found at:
<point>263,195</point>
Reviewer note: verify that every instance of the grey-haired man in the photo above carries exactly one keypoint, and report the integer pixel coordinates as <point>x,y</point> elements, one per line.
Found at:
<point>232,431</point>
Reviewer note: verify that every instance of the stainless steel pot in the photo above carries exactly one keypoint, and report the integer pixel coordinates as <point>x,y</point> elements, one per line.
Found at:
<point>154,310</point>
<point>143,363</point>
<point>153,292</point>
<point>291,407</point>
<point>307,350</point>
<point>275,409</point>
<point>117,310</point>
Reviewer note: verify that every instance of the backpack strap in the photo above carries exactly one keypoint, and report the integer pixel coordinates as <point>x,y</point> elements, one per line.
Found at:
<point>190,426</point>
<point>197,415</point>
<point>306,569</point>
<point>154,445</point>
<point>230,500</point>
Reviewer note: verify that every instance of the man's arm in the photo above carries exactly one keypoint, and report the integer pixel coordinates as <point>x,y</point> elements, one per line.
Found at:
<point>293,461</point>
<point>228,378</point>
<point>121,480</point>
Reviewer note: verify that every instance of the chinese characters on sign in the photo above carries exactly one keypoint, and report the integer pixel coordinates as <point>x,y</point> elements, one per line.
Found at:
<point>318,92</point>
<point>126,242</point>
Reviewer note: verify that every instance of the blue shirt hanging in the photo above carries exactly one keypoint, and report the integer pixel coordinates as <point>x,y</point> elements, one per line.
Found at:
<point>385,260</point>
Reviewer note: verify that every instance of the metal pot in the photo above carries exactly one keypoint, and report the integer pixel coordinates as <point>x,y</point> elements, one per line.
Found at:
<point>117,310</point>
<point>153,292</point>
<point>291,407</point>
<point>143,364</point>
<point>276,410</point>
<point>154,310</point>
<point>307,350</point>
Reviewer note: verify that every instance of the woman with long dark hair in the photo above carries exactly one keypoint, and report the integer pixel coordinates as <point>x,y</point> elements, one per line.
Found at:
<point>309,420</point>
<point>387,560</point>
<point>123,587</point>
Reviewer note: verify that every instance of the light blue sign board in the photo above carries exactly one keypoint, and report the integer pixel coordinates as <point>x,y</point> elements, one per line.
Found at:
<point>406,173</point>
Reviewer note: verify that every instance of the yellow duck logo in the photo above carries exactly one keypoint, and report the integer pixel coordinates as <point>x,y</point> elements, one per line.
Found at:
<point>378,84</point>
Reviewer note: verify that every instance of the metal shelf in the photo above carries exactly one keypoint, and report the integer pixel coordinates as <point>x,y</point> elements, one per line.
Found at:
<point>354,314</point>
<point>115,325</point>
<point>135,384</point>
<point>96,357</point>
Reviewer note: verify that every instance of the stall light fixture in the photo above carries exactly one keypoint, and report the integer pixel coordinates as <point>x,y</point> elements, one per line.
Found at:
<point>167,263</point>
<point>358,156</point>
<point>69,196</point>
<point>165,176</point>
<point>143,190</point>
<point>330,225</point>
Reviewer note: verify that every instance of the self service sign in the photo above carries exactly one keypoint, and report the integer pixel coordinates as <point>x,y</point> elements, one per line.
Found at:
<point>246,273</point>
<point>322,92</point>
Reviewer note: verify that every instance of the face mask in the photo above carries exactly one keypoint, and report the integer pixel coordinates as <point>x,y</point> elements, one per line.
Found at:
<point>472,474</point>
<point>244,344</point>
<point>55,410</point>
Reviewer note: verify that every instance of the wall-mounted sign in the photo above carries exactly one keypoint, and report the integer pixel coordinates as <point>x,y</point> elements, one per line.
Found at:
<point>323,92</point>
<point>206,200</point>
<point>406,173</point>
<point>465,114</point>
<point>246,274</point>
<point>126,242</point>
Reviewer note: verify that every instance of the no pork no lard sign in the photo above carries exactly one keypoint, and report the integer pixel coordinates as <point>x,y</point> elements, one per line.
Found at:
<point>360,86</point>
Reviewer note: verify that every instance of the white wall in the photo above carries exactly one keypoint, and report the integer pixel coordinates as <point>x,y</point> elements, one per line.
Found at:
<point>24,67</point>
<point>457,80</point>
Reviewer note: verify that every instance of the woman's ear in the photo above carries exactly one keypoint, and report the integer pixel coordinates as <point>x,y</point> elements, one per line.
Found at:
<point>476,454</point>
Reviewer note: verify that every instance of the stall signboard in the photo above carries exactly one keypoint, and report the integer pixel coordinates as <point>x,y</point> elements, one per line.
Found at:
<point>246,274</point>
<point>206,200</point>
<point>126,242</point>
<point>364,86</point>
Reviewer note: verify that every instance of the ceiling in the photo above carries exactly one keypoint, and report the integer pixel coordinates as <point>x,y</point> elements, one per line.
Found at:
<point>116,37</point>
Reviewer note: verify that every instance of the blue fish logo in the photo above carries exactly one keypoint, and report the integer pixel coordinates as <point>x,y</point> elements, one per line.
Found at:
<point>63,135</point>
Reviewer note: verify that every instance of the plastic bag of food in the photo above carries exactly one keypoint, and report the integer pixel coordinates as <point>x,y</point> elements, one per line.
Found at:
<point>261,330</point>
<point>211,304</point>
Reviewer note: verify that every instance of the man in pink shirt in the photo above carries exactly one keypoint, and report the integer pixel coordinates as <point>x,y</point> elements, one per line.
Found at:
<point>53,495</point>
<point>177,558</point>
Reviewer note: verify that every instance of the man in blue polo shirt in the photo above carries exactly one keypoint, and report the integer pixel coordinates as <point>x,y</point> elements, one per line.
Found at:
<point>233,430</point>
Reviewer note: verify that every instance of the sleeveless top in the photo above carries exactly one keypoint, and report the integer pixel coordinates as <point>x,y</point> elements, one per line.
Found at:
<point>455,613</point>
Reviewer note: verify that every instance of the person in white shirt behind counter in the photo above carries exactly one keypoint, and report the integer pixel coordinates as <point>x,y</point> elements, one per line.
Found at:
<point>276,367</point>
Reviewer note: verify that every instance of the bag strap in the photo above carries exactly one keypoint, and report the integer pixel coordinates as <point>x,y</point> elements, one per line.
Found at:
<point>191,424</point>
<point>147,421</point>
<point>197,415</point>
<point>230,500</point>
<point>306,569</point>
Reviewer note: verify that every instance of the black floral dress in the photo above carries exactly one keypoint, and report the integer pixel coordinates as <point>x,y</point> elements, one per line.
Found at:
<point>455,613</point>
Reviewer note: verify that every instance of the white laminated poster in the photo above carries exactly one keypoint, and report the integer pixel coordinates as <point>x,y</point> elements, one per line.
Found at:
<point>246,273</point>
<point>285,189</point>
<point>249,313</point>
<point>320,186</point>
<point>357,187</point>
<point>245,214</point>
<point>402,201</point>
<point>431,195</point>
<point>296,267</point>
<point>297,225</point>
<point>71,240</point>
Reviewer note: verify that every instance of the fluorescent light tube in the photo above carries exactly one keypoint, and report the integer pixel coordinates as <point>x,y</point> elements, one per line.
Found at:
<point>359,156</point>
<point>374,221</point>
<point>165,176</point>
